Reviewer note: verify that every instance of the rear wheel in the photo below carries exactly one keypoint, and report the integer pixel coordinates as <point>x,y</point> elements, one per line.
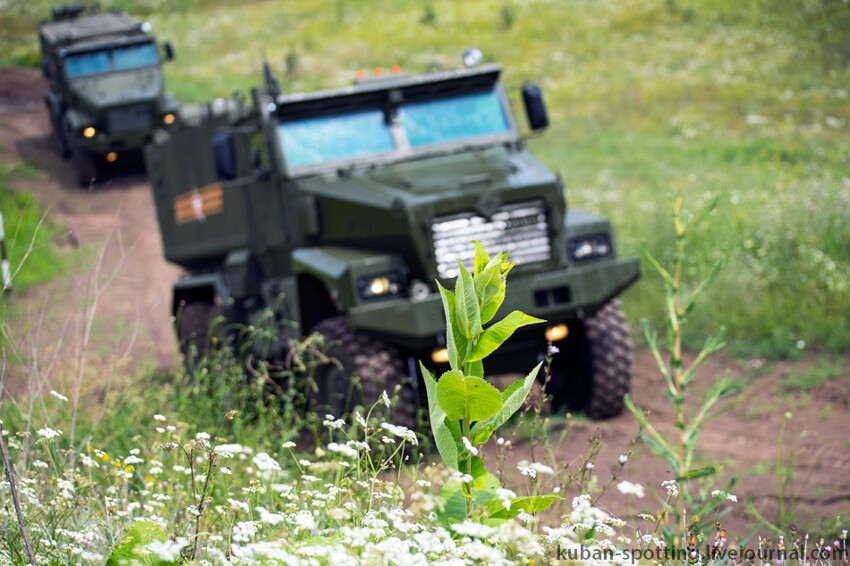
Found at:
<point>593,371</point>
<point>367,366</point>
<point>194,331</point>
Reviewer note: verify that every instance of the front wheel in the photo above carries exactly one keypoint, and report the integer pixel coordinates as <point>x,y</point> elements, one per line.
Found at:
<point>85,164</point>
<point>593,370</point>
<point>362,368</point>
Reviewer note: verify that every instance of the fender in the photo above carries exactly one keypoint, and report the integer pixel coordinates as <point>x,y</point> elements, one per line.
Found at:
<point>341,268</point>
<point>200,287</point>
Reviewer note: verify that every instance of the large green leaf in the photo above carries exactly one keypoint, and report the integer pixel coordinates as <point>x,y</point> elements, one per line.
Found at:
<point>530,504</point>
<point>482,258</point>
<point>454,508</point>
<point>466,396</point>
<point>455,341</point>
<point>466,306</point>
<point>497,334</point>
<point>132,546</point>
<point>490,288</point>
<point>446,433</point>
<point>512,399</point>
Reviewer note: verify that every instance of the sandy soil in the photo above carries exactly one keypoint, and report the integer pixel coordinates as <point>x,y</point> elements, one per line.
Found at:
<point>121,277</point>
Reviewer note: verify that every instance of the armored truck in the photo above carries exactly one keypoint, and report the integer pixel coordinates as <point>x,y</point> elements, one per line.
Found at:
<point>339,210</point>
<point>105,93</point>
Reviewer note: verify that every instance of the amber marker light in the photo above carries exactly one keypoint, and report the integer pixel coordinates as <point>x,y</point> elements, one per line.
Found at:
<point>168,119</point>
<point>440,356</point>
<point>111,157</point>
<point>557,332</point>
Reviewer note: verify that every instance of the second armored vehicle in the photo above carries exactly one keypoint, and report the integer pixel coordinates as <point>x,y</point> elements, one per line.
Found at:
<point>106,91</point>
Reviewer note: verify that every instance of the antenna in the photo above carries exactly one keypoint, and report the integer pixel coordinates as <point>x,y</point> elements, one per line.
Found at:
<point>271,82</point>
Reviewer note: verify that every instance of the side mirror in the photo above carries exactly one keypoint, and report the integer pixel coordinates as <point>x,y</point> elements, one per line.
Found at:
<point>224,153</point>
<point>535,108</point>
<point>169,50</point>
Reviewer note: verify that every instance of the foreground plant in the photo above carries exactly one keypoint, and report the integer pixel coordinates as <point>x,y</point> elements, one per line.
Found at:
<point>679,448</point>
<point>465,409</point>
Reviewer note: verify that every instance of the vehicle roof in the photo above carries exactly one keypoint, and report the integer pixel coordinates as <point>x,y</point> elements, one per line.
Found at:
<point>65,32</point>
<point>485,74</point>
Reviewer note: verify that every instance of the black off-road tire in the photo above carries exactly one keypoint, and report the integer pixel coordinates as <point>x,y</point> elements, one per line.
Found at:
<point>58,140</point>
<point>376,365</point>
<point>593,371</point>
<point>194,333</point>
<point>86,166</point>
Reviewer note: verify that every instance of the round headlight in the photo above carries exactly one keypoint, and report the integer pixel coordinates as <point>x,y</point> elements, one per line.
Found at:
<point>89,132</point>
<point>168,119</point>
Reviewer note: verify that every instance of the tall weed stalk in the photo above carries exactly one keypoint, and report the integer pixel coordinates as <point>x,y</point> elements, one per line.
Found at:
<point>679,449</point>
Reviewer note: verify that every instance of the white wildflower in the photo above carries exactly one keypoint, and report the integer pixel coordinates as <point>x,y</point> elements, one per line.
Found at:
<point>629,488</point>
<point>671,486</point>
<point>265,463</point>
<point>385,399</point>
<point>133,460</point>
<point>505,495</point>
<point>49,433</point>
<point>471,529</point>
<point>287,444</point>
<point>59,396</point>
<point>623,459</point>
<point>400,431</point>
<point>244,531</point>
<point>167,550</point>
<point>160,418</point>
<point>333,423</point>
<point>303,520</point>
<point>268,517</point>
<point>344,450</point>
<point>469,447</point>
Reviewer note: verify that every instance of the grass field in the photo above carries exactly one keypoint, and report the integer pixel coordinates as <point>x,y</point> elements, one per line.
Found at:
<point>743,101</point>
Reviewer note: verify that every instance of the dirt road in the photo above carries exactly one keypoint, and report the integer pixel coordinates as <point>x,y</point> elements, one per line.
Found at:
<point>120,276</point>
<point>117,271</point>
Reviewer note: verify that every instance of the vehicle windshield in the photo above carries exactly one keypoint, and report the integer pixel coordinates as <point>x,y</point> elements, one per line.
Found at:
<point>332,138</point>
<point>455,118</point>
<point>365,132</point>
<point>110,60</point>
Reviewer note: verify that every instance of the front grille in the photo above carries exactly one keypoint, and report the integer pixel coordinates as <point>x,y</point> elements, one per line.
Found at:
<point>128,118</point>
<point>519,228</point>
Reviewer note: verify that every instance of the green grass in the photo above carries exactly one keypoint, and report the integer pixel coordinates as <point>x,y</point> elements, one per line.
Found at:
<point>33,256</point>
<point>823,370</point>
<point>747,102</point>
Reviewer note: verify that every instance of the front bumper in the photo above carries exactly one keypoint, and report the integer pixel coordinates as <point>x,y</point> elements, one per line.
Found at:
<point>556,296</point>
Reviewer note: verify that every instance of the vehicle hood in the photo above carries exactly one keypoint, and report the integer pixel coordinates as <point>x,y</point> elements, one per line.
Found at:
<point>114,89</point>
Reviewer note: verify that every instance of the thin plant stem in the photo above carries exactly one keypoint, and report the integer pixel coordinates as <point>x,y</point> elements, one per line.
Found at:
<point>11,479</point>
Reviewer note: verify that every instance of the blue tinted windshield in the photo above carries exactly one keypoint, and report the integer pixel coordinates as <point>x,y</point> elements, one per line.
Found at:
<point>316,140</point>
<point>120,59</point>
<point>450,119</point>
<point>331,138</point>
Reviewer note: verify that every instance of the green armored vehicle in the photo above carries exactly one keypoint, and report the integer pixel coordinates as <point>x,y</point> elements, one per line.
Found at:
<point>338,210</point>
<point>106,92</point>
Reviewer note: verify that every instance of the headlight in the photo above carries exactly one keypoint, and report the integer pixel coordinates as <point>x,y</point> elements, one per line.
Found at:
<point>589,247</point>
<point>383,285</point>
<point>169,119</point>
<point>89,132</point>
